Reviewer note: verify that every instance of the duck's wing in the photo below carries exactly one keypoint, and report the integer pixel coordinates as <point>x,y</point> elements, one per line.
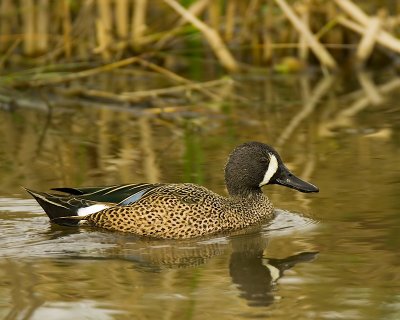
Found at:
<point>58,206</point>
<point>118,194</point>
<point>65,209</point>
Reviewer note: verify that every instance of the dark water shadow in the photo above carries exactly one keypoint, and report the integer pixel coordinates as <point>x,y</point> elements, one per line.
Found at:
<point>251,268</point>
<point>249,263</point>
<point>256,274</point>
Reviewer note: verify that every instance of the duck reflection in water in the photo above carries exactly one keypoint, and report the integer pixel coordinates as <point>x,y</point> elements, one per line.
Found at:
<point>251,270</point>
<point>256,276</point>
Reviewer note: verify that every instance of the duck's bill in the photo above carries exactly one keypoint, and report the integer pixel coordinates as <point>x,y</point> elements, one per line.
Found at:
<point>288,179</point>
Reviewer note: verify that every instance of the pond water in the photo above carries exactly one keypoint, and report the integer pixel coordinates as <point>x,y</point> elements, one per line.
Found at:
<point>332,255</point>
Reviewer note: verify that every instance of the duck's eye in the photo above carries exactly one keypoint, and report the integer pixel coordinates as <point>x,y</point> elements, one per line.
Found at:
<point>264,160</point>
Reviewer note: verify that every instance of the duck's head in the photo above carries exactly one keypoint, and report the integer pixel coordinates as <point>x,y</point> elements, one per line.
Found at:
<point>253,165</point>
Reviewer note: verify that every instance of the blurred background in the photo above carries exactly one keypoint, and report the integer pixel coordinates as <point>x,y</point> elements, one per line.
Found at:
<point>109,92</point>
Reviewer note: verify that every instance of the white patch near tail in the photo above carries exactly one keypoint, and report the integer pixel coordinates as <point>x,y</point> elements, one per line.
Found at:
<point>274,271</point>
<point>91,209</point>
<point>272,168</point>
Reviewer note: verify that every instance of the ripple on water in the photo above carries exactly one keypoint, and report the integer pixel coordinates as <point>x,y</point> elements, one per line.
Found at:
<point>19,205</point>
<point>286,222</point>
<point>25,234</point>
<point>83,309</point>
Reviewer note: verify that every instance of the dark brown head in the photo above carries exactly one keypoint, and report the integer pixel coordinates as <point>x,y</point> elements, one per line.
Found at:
<point>253,165</point>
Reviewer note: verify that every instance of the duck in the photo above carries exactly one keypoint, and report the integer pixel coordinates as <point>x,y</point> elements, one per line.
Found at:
<point>179,210</point>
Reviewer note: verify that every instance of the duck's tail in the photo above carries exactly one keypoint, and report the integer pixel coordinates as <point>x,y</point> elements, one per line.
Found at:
<point>57,207</point>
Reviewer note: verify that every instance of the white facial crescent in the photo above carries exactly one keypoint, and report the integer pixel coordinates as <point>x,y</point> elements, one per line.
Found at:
<point>272,168</point>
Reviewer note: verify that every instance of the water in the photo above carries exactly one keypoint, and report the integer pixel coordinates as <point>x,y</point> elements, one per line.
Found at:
<point>332,255</point>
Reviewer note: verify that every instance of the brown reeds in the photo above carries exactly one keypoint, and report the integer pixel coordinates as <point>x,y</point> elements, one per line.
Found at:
<point>42,25</point>
<point>221,51</point>
<point>154,36</point>
<point>138,23</point>
<point>323,55</point>
<point>29,26</point>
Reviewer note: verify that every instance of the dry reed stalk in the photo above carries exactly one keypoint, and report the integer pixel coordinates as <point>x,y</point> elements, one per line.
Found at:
<point>92,93</point>
<point>321,53</point>
<point>42,25</point>
<point>173,76</point>
<point>83,74</point>
<point>305,18</point>
<point>6,12</point>
<point>176,89</point>
<point>104,11</point>
<point>221,51</point>
<point>138,23</point>
<point>335,35</point>
<point>268,22</point>
<point>368,40</point>
<point>136,96</point>
<point>214,10</point>
<point>8,53</point>
<point>28,18</point>
<point>121,18</point>
<point>169,74</point>
<point>103,40</point>
<point>104,27</point>
<point>66,26</point>
<point>82,29</point>
<point>196,9</point>
<point>353,11</point>
<point>384,38</point>
<point>230,20</point>
<point>250,15</point>
<point>255,48</point>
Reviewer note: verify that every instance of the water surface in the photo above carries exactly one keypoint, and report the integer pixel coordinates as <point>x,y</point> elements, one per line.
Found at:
<point>332,255</point>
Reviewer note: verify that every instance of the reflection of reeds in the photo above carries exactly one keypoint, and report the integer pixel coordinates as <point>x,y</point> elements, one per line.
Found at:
<point>319,92</point>
<point>101,147</point>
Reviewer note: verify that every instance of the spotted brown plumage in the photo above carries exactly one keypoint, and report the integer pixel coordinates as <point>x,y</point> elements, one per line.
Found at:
<point>179,211</point>
<point>183,211</point>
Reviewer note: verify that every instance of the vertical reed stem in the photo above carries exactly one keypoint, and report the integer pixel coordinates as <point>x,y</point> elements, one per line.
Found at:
<point>305,18</point>
<point>215,14</point>
<point>28,18</point>
<point>322,54</point>
<point>138,22</point>
<point>121,18</point>
<point>221,51</point>
<point>368,41</point>
<point>67,28</point>
<point>335,35</point>
<point>42,25</point>
<point>268,22</point>
<point>230,20</point>
<point>6,12</point>
<point>104,27</point>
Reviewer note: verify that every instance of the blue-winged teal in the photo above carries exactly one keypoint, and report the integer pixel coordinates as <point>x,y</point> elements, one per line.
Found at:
<point>179,211</point>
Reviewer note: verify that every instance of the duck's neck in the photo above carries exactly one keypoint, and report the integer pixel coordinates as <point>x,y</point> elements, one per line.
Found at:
<point>242,192</point>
